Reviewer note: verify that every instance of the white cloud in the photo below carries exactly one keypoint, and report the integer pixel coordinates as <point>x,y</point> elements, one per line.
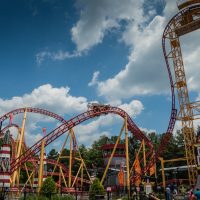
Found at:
<point>54,99</point>
<point>59,55</point>
<point>51,98</point>
<point>145,73</point>
<point>98,17</point>
<point>134,108</point>
<point>148,130</point>
<point>94,80</point>
<point>87,133</point>
<point>60,101</point>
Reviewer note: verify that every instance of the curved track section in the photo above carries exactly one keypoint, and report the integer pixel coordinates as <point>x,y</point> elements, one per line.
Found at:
<point>137,133</point>
<point>184,22</point>
<point>172,120</point>
<point>32,110</point>
<point>7,127</point>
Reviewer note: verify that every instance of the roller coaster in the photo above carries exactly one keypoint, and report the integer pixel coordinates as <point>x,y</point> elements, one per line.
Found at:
<point>17,159</point>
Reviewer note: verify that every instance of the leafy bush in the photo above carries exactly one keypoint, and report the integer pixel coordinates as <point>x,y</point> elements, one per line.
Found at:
<point>34,197</point>
<point>57,197</point>
<point>54,197</point>
<point>48,187</point>
<point>96,189</point>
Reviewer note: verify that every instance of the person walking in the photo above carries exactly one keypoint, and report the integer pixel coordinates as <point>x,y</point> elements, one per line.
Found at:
<point>168,193</point>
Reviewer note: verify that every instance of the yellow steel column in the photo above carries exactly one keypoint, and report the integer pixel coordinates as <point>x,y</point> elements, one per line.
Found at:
<point>163,172</point>
<point>144,157</point>
<point>82,177</point>
<point>109,161</point>
<point>60,153</point>
<point>73,134</point>
<point>80,167</point>
<point>70,160</point>
<point>127,159</point>
<point>41,168</point>
<point>19,146</point>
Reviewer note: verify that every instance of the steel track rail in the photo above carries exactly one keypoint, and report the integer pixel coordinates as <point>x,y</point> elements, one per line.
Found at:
<point>67,125</point>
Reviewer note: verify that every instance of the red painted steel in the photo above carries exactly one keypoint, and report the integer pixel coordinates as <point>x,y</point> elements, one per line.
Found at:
<point>32,110</point>
<point>137,133</point>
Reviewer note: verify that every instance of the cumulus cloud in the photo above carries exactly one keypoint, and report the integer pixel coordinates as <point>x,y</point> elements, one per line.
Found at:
<point>134,108</point>
<point>142,34</point>
<point>140,76</point>
<point>91,131</point>
<point>145,73</point>
<point>54,99</point>
<point>48,97</point>
<point>60,101</point>
<point>94,80</point>
<point>98,17</point>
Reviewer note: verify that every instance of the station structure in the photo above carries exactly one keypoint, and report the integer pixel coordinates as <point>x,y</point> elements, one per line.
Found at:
<point>17,158</point>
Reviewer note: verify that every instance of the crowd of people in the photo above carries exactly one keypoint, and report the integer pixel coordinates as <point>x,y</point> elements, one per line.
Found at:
<point>191,194</point>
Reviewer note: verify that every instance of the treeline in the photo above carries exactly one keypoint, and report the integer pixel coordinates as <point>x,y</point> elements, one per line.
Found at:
<point>93,156</point>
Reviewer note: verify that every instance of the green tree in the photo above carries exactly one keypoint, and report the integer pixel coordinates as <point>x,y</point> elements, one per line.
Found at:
<point>53,154</point>
<point>49,186</point>
<point>96,189</point>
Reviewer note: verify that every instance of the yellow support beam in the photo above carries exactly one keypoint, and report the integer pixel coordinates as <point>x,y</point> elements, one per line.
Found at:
<point>127,159</point>
<point>175,160</point>
<point>137,154</point>
<point>41,167</point>
<point>63,176</point>
<point>19,146</point>
<point>81,159</point>
<point>144,157</point>
<point>60,153</point>
<point>109,161</point>
<point>81,166</point>
<point>163,172</point>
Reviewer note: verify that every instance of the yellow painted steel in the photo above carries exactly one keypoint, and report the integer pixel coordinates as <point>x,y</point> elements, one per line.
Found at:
<point>57,161</point>
<point>175,160</point>
<point>41,167</point>
<point>70,159</point>
<point>82,178</point>
<point>19,149</point>
<point>28,180</point>
<point>127,159</point>
<point>79,159</point>
<point>163,172</point>
<point>80,168</point>
<point>112,154</point>
<point>63,176</point>
<point>144,157</point>
<point>29,176</point>
<point>166,161</point>
<point>82,160</point>
<point>185,113</point>
<point>136,154</point>
<point>184,24</point>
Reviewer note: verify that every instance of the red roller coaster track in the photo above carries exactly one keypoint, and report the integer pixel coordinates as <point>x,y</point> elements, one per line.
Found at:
<point>32,110</point>
<point>137,133</point>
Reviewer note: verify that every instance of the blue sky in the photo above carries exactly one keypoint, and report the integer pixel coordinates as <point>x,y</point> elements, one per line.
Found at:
<point>59,55</point>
